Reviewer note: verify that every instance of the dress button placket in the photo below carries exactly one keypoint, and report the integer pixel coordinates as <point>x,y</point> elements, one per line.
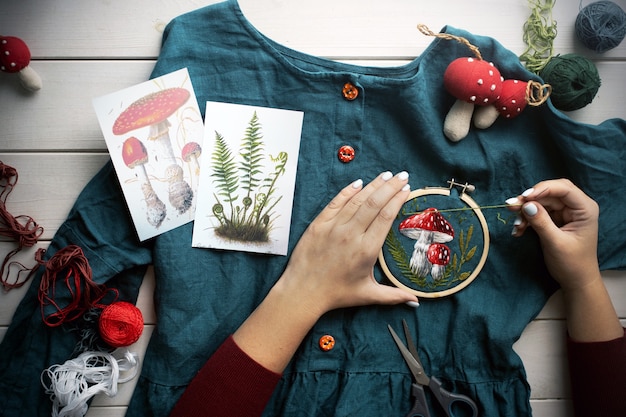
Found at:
<point>349,122</point>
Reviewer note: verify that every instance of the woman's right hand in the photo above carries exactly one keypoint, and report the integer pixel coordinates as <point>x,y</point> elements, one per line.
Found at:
<point>566,220</point>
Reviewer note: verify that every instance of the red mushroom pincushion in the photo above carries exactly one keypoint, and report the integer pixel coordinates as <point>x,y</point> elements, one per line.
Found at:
<point>513,99</point>
<point>473,82</point>
<point>15,58</point>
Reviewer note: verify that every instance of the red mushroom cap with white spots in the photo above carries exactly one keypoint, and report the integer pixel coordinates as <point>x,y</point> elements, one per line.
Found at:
<point>134,152</point>
<point>14,54</point>
<point>151,109</point>
<point>473,80</point>
<point>438,254</point>
<point>430,221</point>
<point>512,100</point>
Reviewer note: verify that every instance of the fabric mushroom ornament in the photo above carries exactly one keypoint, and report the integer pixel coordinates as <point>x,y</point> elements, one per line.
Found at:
<point>425,228</point>
<point>473,82</point>
<point>153,110</point>
<point>513,99</point>
<point>135,157</point>
<point>15,58</point>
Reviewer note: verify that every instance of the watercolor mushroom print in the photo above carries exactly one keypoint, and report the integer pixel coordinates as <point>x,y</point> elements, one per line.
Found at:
<point>135,157</point>
<point>153,111</point>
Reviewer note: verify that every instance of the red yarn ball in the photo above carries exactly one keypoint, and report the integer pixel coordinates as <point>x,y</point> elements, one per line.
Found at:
<point>121,324</point>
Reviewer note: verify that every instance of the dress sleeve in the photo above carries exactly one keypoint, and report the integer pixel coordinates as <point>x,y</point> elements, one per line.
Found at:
<point>598,375</point>
<point>230,383</point>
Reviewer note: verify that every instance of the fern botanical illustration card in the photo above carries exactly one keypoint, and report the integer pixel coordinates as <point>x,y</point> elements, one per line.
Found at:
<point>247,178</point>
<point>154,131</point>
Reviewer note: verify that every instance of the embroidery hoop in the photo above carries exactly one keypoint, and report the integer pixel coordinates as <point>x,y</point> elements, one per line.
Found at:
<point>445,191</point>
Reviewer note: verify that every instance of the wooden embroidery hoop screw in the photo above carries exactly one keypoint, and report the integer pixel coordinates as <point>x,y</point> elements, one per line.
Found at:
<point>464,188</point>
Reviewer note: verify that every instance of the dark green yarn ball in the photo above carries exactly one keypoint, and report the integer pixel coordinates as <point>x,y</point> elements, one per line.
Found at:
<point>574,80</point>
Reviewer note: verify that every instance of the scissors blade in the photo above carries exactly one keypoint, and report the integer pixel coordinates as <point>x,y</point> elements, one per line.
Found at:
<point>412,363</point>
<point>409,341</point>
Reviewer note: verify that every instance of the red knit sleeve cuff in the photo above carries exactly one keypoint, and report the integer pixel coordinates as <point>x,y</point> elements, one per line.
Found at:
<point>598,375</point>
<point>230,383</point>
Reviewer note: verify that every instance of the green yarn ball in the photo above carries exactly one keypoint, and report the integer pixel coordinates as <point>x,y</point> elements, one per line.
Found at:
<point>574,80</point>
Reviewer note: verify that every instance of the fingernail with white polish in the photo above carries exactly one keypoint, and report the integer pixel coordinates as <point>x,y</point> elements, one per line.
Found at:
<point>413,304</point>
<point>518,220</point>
<point>403,175</point>
<point>406,187</point>
<point>357,184</point>
<point>530,209</point>
<point>511,201</point>
<point>386,176</point>
<point>528,192</point>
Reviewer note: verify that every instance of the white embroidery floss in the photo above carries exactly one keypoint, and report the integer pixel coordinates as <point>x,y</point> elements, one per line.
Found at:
<point>72,384</point>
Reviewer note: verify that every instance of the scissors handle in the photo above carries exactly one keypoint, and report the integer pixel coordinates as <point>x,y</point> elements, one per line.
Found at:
<point>420,406</point>
<point>447,399</point>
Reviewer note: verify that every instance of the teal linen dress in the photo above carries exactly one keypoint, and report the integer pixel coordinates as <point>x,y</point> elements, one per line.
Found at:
<point>395,124</point>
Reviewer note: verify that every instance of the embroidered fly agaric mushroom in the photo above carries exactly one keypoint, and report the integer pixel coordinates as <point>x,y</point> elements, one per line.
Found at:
<point>439,256</point>
<point>425,228</point>
<point>153,110</point>
<point>190,153</point>
<point>135,157</point>
<point>473,82</point>
<point>15,58</point>
<point>513,99</point>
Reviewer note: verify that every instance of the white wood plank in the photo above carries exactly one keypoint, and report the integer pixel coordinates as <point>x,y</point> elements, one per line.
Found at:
<point>552,408</point>
<point>61,115</point>
<point>366,28</point>
<point>93,29</point>
<point>48,185</point>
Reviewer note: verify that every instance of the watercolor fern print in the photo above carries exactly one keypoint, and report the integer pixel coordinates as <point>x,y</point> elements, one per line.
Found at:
<point>248,216</point>
<point>248,179</point>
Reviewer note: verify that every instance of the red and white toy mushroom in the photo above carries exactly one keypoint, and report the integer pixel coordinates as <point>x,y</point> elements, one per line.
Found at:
<point>15,58</point>
<point>135,157</point>
<point>425,228</point>
<point>153,110</point>
<point>473,82</point>
<point>513,99</point>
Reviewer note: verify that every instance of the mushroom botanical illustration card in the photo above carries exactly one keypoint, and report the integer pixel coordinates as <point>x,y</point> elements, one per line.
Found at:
<point>154,132</point>
<point>247,178</point>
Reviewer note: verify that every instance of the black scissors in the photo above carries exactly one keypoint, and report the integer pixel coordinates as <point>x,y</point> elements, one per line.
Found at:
<point>445,398</point>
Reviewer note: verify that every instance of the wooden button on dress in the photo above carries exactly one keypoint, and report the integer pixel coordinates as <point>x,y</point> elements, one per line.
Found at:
<point>346,153</point>
<point>350,91</point>
<point>327,342</point>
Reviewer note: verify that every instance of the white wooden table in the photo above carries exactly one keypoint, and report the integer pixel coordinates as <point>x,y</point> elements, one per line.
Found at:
<point>84,49</point>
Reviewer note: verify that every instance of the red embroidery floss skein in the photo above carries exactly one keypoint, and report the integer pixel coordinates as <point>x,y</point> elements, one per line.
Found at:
<point>120,324</point>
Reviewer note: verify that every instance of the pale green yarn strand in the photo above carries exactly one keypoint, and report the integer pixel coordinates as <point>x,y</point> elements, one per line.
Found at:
<point>539,33</point>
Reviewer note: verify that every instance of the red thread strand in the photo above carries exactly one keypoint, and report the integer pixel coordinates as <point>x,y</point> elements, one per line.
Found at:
<point>70,265</point>
<point>22,229</point>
